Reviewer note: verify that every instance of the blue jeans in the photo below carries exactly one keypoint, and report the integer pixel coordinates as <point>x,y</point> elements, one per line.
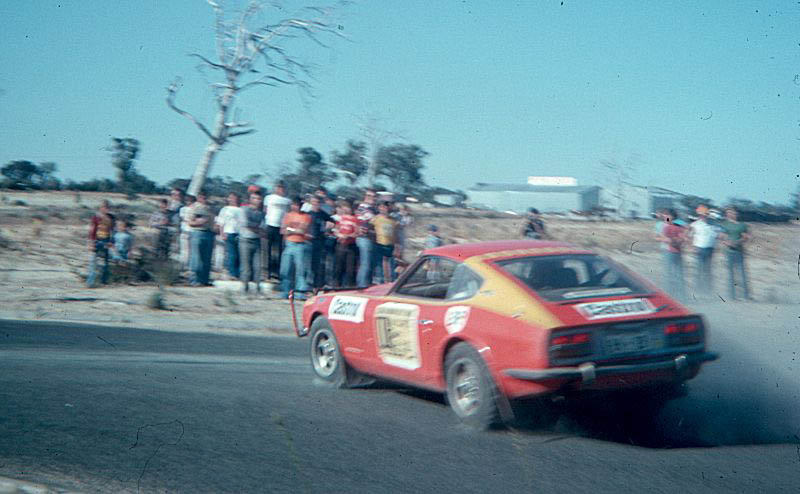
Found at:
<point>250,256</point>
<point>703,285</point>
<point>202,243</point>
<point>232,254</point>
<point>364,275</point>
<point>100,251</point>
<point>673,274</point>
<point>294,256</point>
<point>736,263</point>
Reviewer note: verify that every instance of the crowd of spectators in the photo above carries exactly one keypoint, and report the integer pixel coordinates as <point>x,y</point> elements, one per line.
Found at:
<point>703,237</point>
<point>297,243</point>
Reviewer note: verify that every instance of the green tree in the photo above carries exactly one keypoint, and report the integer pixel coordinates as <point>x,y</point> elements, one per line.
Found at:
<point>123,156</point>
<point>352,163</point>
<point>47,178</point>
<point>402,165</point>
<point>20,174</point>
<point>312,171</point>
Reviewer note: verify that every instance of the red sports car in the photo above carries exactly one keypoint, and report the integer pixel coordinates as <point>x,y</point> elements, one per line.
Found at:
<point>492,323</point>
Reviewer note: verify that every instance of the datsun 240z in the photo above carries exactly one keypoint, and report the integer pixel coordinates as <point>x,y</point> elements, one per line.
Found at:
<point>491,324</point>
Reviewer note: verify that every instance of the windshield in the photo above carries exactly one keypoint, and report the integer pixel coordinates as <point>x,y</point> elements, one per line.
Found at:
<point>572,277</point>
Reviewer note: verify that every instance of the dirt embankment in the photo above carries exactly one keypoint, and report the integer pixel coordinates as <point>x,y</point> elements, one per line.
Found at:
<point>43,258</point>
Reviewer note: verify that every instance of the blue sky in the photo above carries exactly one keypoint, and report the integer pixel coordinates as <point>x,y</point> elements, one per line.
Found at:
<point>705,94</point>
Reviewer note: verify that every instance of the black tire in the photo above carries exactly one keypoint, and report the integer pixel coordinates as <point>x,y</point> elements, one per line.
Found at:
<point>471,391</point>
<point>326,357</point>
<point>327,360</point>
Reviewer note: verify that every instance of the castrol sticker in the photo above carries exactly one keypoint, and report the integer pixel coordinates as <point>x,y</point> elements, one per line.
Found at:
<point>615,308</point>
<point>455,319</point>
<point>345,308</point>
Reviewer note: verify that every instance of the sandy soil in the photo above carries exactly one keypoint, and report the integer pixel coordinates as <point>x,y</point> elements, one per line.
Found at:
<point>43,260</point>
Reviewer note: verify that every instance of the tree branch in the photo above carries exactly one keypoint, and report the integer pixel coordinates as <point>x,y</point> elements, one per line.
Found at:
<point>240,133</point>
<point>172,90</point>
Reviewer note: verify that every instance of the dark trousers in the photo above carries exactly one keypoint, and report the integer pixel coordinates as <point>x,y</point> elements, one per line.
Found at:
<point>232,254</point>
<point>384,262</point>
<point>274,251</point>
<point>344,264</point>
<point>318,255</point>
<point>162,243</point>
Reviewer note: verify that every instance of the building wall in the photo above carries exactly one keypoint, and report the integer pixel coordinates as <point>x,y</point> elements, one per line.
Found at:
<point>545,202</point>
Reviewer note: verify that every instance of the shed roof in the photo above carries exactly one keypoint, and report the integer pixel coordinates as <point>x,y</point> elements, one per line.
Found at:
<point>573,189</point>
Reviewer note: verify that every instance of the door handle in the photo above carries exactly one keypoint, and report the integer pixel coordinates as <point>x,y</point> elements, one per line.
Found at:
<point>425,322</point>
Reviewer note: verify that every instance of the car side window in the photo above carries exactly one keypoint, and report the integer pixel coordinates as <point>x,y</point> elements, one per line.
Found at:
<point>430,279</point>
<point>465,283</point>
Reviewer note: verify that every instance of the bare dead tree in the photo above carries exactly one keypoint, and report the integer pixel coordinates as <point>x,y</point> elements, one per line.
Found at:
<point>247,57</point>
<point>372,129</point>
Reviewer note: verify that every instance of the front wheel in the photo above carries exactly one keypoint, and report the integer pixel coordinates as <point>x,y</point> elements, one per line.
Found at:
<point>471,391</point>
<point>327,359</point>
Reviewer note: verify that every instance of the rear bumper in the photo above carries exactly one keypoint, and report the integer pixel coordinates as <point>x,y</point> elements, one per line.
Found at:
<point>586,373</point>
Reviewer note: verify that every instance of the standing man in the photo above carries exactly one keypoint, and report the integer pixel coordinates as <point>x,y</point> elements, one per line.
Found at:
<point>734,235</point>
<point>704,237</point>
<point>295,228</point>
<point>319,220</point>
<point>671,237</point>
<point>276,206</point>
<point>251,223</point>
<point>202,240</point>
<point>385,235</point>
<point>227,222</point>
<point>101,231</point>
<point>365,212</point>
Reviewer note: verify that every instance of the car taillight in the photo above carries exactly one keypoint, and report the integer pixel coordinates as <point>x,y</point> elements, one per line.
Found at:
<point>571,345</point>
<point>683,333</point>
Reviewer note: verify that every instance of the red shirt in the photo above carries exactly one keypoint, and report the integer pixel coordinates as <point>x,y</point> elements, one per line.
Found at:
<point>346,227</point>
<point>300,222</point>
<point>674,233</point>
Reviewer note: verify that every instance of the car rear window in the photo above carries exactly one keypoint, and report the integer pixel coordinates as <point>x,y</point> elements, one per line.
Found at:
<point>572,277</point>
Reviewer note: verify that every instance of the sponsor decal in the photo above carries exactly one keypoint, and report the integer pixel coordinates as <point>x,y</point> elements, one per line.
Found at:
<point>345,308</point>
<point>455,319</point>
<point>601,292</point>
<point>397,331</point>
<point>616,308</point>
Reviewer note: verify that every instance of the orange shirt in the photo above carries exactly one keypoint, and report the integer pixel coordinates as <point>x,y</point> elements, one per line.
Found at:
<point>299,222</point>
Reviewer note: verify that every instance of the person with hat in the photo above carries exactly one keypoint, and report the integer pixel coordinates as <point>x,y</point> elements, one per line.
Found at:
<point>703,237</point>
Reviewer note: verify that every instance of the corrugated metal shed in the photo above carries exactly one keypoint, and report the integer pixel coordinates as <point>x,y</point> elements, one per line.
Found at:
<point>545,198</point>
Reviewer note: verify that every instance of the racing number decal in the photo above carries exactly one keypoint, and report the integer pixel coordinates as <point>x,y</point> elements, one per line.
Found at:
<point>397,334</point>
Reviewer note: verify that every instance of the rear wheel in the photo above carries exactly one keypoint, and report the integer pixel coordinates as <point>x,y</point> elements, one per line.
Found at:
<point>471,391</point>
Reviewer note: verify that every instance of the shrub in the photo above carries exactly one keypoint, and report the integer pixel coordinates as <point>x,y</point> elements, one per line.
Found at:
<point>156,300</point>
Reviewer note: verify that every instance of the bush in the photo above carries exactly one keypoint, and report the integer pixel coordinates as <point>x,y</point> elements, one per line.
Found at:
<point>156,300</point>
<point>19,202</point>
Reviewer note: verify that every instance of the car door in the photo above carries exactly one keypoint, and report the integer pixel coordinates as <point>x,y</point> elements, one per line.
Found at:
<point>410,322</point>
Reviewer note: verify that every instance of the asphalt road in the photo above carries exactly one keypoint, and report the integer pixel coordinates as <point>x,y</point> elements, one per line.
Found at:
<point>122,410</point>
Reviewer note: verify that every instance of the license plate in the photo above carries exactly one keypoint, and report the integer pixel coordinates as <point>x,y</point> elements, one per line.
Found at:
<point>638,342</point>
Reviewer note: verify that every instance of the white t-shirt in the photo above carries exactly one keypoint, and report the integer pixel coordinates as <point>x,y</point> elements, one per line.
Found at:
<point>276,206</point>
<point>228,219</point>
<point>704,234</point>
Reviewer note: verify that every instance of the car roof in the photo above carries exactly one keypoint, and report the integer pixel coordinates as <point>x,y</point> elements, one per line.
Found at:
<point>508,248</point>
